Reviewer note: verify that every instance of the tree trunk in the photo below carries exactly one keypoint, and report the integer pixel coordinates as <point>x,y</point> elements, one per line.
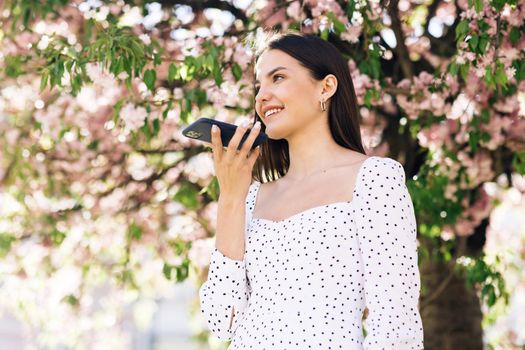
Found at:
<point>452,319</point>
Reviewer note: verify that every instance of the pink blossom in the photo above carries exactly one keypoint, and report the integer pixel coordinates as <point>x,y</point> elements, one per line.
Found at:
<point>509,105</point>
<point>513,15</point>
<point>435,136</point>
<point>294,11</point>
<point>516,133</point>
<point>352,33</point>
<point>478,168</point>
<point>474,214</point>
<point>133,116</point>
<point>200,252</point>
<point>242,56</point>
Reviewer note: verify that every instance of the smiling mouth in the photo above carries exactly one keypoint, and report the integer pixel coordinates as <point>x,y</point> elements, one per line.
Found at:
<point>273,114</point>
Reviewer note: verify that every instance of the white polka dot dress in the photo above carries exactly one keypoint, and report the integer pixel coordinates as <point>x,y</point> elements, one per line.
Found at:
<point>305,281</point>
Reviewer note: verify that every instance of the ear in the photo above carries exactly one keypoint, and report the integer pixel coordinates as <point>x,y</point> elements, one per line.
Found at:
<point>329,86</point>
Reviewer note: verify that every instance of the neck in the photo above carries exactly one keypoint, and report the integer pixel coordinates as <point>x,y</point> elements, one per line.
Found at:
<point>312,150</point>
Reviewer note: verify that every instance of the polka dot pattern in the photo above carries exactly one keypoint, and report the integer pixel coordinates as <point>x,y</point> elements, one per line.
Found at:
<point>305,281</point>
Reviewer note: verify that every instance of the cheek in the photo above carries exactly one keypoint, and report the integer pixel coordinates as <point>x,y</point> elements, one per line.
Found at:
<point>300,101</point>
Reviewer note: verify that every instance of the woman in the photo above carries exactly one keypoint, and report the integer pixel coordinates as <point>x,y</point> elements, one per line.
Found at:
<point>298,258</point>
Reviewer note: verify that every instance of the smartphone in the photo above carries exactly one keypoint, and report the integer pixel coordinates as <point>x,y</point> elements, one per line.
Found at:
<point>201,130</point>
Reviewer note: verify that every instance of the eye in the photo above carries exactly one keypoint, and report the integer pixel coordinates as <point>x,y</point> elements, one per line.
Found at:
<point>257,87</point>
<point>277,75</point>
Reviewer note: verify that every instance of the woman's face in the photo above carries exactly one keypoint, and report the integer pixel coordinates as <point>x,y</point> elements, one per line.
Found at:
<point>284,84</point>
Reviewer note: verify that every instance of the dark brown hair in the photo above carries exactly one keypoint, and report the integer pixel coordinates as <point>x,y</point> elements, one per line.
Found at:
<point>320,58</point>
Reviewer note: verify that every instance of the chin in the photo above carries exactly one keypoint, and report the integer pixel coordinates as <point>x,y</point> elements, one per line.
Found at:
<point>274,134</point>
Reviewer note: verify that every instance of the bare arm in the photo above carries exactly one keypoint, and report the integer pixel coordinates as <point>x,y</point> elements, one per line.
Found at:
<point>229,235</point>
<point>224,296</point>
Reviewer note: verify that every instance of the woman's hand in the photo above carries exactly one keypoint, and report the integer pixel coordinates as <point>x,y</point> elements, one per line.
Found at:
<point>234,168</point>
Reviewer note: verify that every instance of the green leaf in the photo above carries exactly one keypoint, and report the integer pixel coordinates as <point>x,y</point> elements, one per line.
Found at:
<point>518,162</point>
<point>324,34</point>
<point>43,80</point>
<point>182,271</point>
<point>483,43</point>
<point>237,71</point>
<point>209,62</point>
<point>134,231</point>
<point>514,35</point>
<point>93,145</point>
<point>489,77</point>
<point>71,300</point>
<point>498,4</point>
<point>473,140</point>
<point>500,77</point>
<point>453,68</point>
<point>184,72</point>
<point>485,115</point>
<point>157,59</point>
<point>462,29</point>
<point>146,131</point>
<point>187,196</point>
<point>26,16</point>
<point>478,4</point>
<point>150,76</point>
<point>473,42</point>
<point>172,72</point>
<point>14,65</point>
<point>338,26</point>
<point>156,127</point>
<point>491,298</point>
<point>463,70</point>
<point>213,189</point>
<point>217,75</point>
<point>57,237</point>
<point>168,108</point>
<point>201,97</point>
<point>88,30</point>
<point>6,241</point>
<point>368,98</point>
<point>166,270</point>
<point>483,26</point>
<point>350,8</point>
<point>520,69</point>
<point>375,68</point>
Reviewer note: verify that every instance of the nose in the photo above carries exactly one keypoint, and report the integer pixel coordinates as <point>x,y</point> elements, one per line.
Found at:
<point>262,95</point>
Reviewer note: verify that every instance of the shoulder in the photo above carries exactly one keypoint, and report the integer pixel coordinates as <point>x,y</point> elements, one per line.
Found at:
<point>384,163</point>
<point>378,169</point>
<point>252,190</point>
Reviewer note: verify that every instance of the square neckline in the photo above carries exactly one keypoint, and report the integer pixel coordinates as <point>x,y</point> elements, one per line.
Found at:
<point>311,209</point>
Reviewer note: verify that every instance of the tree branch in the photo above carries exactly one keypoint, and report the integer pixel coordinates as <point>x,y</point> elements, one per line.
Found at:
<point>460,250</point>
<point>400,49</point>
<point>198,5</point>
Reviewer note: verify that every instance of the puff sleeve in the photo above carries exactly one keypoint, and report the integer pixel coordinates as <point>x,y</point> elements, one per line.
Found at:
<point>226,292</point>
<point>386,227</point>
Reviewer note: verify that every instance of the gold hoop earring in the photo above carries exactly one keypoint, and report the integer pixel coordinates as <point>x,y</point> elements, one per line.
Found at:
<point>323,105</point>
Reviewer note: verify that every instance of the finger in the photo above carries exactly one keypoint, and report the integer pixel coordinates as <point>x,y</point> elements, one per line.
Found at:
<point>231,150</point>
<point>254,155</point>
<point>216,142</point>
<point>247,144</point>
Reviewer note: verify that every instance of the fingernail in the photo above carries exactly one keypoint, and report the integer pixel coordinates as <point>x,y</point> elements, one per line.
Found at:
<point>257,125</point>
<point>214,128</point>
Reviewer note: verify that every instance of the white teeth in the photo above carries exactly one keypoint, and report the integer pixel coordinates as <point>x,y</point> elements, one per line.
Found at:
<point>272,111</point>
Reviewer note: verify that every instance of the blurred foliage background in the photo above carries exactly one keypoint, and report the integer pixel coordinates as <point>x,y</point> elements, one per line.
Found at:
<point>104,204</point>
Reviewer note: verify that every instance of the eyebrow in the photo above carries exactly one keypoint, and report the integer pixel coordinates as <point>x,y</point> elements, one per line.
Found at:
<point>271,72</point>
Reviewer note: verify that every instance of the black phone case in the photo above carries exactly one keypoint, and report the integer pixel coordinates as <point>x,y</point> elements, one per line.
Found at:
<point>201,130</point>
